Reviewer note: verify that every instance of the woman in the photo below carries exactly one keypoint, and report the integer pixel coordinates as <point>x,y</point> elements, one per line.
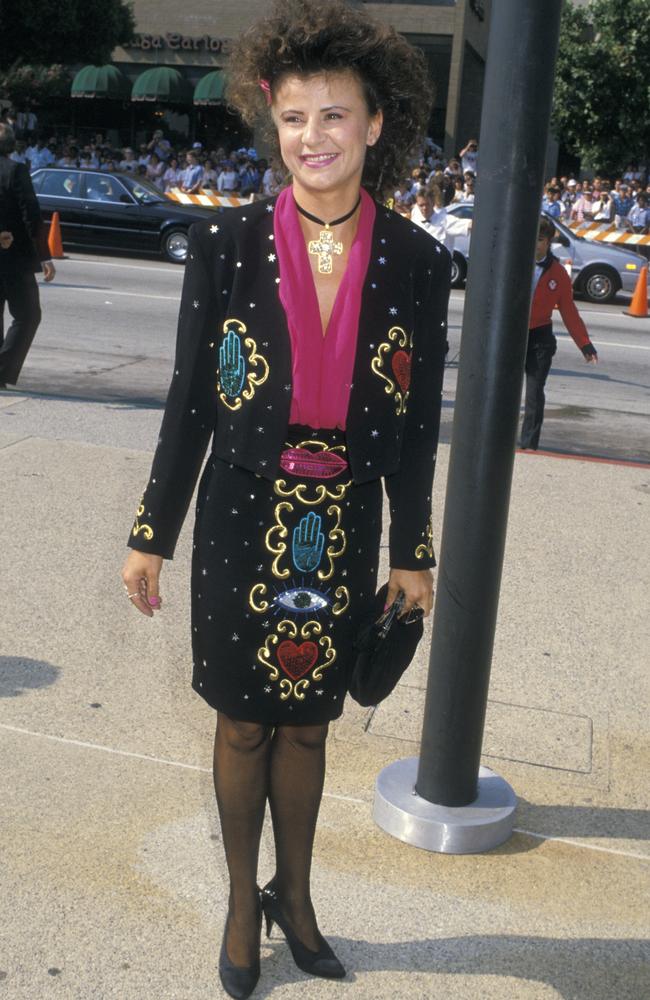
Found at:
<point>311,341</point>
<point>155,170</point>
<point>210,175</point>
<point>228,180</point>
<point>459,190</point>
<point>171,176</point>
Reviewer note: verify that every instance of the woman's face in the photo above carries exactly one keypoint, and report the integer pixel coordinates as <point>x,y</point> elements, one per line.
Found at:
<point>324,128</point>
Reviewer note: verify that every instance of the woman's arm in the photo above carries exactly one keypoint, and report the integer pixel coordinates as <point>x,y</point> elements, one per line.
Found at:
<point>190,410</point>
<point>409,489</point>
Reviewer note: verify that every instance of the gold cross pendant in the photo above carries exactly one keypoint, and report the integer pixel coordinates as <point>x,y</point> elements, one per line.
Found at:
<point>324,247</point>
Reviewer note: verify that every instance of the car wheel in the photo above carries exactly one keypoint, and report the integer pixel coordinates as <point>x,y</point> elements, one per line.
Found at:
<point>458,270</point>
<point>599,284</point>
<point>174,245</point>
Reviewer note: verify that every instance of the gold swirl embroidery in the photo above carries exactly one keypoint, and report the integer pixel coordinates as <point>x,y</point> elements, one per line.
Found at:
<point>397,337</point>
<point>343,594</point>
<point>253,378</point>
<point>146,529</point>
<point>280,547</point>
<point>264,656</point>
<point>426,549</point>
<point>263,605</point>
<point>335,535</point>
<point>321,444</point>
<point>330,656</point>
<point>296,689</point>
<point>311,628</point>
<point>288,626</point>
<point>322,492</point>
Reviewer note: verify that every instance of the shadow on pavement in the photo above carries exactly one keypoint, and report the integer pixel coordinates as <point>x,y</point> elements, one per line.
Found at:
<point>18,675</point>
<point>597,377</point>
<point>577,968</point>
<point>583,821</point>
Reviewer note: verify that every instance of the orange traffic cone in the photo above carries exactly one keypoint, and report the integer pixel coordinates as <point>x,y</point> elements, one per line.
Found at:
<point>54,238</point>
<point>639,304</point>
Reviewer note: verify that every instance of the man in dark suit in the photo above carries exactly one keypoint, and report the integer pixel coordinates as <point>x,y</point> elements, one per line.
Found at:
<point>23,250</point>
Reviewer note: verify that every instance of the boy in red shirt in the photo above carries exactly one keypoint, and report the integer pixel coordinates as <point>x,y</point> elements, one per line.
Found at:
<point>551,288</point>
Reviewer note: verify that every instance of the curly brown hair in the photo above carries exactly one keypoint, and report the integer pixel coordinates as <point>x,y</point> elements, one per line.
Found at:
<point>318,36</point>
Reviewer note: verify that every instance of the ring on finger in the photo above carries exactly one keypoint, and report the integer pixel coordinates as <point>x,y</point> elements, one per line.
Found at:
<point>131,596</point>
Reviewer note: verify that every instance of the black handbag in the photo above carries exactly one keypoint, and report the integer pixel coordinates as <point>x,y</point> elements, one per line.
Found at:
<point>384,646</point>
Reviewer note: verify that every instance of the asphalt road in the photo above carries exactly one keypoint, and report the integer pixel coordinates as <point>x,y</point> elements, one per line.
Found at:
<point>109,328</point>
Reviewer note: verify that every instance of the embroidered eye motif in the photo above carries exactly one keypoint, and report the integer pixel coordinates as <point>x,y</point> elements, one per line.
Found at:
<point>303,600</point>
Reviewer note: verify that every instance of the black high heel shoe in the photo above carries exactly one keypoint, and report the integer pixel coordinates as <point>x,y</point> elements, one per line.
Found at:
<point>315,963</point>
<point>238,981</point>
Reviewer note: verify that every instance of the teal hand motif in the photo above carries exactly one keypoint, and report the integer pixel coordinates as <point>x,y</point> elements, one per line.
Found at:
<point>308,543</point>
<point>232,365</point>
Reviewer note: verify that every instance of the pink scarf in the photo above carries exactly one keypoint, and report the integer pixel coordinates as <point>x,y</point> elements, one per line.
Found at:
<point>322,365</point>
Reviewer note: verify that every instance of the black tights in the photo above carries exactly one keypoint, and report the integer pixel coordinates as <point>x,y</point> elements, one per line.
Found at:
<point>287,766</point>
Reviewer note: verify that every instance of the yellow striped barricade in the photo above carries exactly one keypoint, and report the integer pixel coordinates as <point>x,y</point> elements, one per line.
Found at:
<point>608,233</point>
<point>208,199</point>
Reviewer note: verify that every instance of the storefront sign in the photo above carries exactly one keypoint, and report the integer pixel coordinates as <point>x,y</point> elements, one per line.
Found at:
<point>179,43</point>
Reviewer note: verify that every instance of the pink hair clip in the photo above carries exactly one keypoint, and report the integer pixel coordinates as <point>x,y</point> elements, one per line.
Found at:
<point>266,87</point>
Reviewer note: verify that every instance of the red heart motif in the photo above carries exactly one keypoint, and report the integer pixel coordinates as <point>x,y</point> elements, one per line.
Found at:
<point>296,661</point>
<point>402,369</point>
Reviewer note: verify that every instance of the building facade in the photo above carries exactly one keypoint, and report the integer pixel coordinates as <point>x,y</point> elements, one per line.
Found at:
<point>196,38</point>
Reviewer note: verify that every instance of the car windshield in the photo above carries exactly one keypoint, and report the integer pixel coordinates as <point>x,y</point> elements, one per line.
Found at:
<point>143,191</point>
<point>569,233</point>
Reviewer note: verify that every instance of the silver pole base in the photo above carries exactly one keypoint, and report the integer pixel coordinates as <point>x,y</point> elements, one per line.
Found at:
<point>484,824</point>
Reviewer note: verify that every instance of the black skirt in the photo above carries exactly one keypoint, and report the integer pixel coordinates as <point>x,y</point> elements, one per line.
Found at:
<point>282,575</point>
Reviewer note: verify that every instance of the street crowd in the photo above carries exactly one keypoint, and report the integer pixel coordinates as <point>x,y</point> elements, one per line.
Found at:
<point>622,200</point>
<point>190,168</point>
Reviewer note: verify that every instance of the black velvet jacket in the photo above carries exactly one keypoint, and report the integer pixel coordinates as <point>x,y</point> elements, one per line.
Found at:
<point>242,398</point>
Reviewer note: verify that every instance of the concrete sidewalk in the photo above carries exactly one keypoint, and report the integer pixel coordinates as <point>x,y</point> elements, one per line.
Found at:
<point>112,880</point>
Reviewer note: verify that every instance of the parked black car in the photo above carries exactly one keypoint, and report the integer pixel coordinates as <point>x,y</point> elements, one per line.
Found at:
<point>115,211</point>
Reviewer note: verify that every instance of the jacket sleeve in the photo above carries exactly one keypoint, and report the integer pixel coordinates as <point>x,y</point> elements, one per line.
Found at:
<point>27,200</point>
<point>409,489</point>
<point>190,410</point>
<point>568,312</point>
<point>30,211</point>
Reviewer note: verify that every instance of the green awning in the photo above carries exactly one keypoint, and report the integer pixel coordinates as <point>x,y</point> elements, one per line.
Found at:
<point>210,88</point>
<point>106,82</point>
<point>163,84</point>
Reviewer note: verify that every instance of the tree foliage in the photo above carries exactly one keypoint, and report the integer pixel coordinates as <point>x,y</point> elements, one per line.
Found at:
<point>34,85</point>
<point>602,88</point>
<point>47,32</point>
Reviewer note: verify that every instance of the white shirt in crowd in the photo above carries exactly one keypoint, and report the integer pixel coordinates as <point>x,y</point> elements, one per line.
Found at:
<point>228,180</point>
<point>442,225</point>
<point>470,162</point>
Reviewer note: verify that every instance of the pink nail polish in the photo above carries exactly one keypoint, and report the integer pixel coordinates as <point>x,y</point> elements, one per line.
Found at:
<point>154,601</point>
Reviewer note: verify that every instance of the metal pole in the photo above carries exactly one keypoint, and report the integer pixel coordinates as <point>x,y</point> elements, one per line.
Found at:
<point>517,98</point>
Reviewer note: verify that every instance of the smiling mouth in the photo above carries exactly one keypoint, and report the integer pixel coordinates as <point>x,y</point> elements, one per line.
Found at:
<point>319,159</point>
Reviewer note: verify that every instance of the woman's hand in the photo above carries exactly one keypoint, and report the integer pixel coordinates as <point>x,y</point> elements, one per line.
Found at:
<point>140,575</point>
<point>417,585</point>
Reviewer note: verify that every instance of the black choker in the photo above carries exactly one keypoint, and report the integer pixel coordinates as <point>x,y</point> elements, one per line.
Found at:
<point>321,222</point>
<point>325,246</point>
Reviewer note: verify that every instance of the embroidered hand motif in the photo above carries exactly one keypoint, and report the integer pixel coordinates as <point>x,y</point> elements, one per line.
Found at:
<point>308,543</point>
<point>232,364</point>
<point>236,370</point>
